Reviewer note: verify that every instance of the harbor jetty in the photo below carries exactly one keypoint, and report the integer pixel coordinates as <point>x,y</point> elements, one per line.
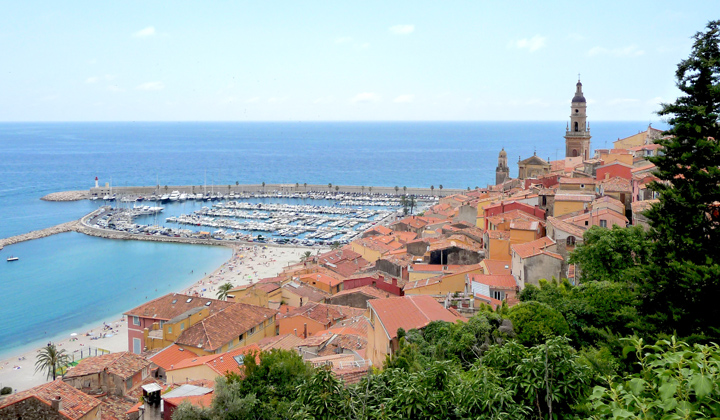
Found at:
<point>66,196</point>
<point>37,234</point>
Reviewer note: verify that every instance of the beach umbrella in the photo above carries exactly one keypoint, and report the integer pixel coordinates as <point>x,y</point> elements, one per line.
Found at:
<point>73,334</point>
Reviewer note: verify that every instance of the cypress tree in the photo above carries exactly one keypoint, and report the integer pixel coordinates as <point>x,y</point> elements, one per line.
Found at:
<point>682,282</point>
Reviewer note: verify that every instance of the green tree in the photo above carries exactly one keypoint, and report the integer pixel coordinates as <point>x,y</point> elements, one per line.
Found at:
<point>404,203</point>
<point>440,186</point>
<point>397,189</point>
<point>337,188</point>
<point>306,256</point>
<point>370,190</point>
<point>323,396</point>
<point>432,188</point>
<point>411,203</point>
<point>676,381</point>
<point>50,359</point>
<point>335,245</point>
<point>404,190</point>
<point>297,186</point>
<point>263,186</point>
<point>223,290</point>
<point>617,254</point>
<point>329,185</point>
<point>305,185</point>
<point>535,322</point>
<point>682,281</point>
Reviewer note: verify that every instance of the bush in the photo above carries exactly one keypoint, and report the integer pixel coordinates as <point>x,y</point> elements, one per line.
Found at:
<point>6,390</point>
<point>535,322</point>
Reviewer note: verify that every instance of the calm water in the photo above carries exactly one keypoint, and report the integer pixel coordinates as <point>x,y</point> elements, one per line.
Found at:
<point>67,281</point>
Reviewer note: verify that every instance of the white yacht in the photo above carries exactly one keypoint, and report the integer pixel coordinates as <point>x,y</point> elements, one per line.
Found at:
<point>11,258</point>
<point>175,196</point>
<point>183,197</point>
<point>165,197</point>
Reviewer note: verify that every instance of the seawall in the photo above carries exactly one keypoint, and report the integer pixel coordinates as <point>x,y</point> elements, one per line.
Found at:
<point>37,234</point>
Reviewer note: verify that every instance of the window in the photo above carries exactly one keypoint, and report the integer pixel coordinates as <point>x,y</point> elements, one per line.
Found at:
<point>170,330</point>
<point>136,320</point>
<point>603,223</point>
<point>240,338</point>
<point>586,223</point>
<point>182,326</point>
<point>576,126</point>
<point>497,294</point>
<point>252,331</point>
<point>570,241</point>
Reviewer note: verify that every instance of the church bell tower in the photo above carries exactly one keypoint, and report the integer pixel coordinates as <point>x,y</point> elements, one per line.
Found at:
<point>577,133</point>
<point>502,172</point>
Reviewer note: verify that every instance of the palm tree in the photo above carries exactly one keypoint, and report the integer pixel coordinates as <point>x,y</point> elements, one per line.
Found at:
<point>432,188</point>
<point>329,185</point>
<point>405,190</point>
<point>263,184</point>
<point>237,183</point>
<point>306,256</point>
<point>404,204</point>
<point>223,291</point>
<point>50,359</point>
<point>297,185</point>
<point>370,190</point>
<point>397,189</point>
<point>336,188</point>
<point>362,189</point>
<point>335,245</point>
<point>412,203</point>
<point>305,185</point>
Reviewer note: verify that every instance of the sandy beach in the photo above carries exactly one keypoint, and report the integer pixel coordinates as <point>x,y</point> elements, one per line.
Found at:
<point>247,265</point>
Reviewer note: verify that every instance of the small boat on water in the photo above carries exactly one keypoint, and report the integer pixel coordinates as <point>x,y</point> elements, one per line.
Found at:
<point>11,258</point>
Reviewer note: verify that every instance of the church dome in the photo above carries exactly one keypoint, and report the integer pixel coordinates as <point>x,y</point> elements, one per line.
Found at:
<point>503,153</point>
<point>579,97</point>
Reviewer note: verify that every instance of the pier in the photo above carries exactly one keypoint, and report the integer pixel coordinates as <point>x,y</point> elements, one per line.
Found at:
<point>37,234</point>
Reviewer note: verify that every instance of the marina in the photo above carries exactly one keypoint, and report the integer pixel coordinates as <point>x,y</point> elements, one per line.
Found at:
<point>309,219</point>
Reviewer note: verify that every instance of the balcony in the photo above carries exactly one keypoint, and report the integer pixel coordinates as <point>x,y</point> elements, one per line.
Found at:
<point>578,134</point>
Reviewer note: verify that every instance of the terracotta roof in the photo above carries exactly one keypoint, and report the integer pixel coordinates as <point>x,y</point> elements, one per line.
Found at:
<point>498,234</point>
<point>380,229</point>
<point>173,304</point>
<point>123,364</point>
<point>114,407</point>
<point>355,325</point>
<point>524,225</point>
<point>497,266</point>
<point>351,376</point>
<point>320,278</point>
<point>437,267</point>
<point>409,312</point>
<point>566,227</point>
<point>416,222</point>
<point>75,403</point>
<point>196,400</point>
<point>306,291</point>
<point>616,184</point>
<point>323,313</point>
<point>423,283</point>
<point>219,329</point>
<point>221,363</point>
<point>281,342</point>
<point>372,243</point>
<point>348,268</point>
<point>606,199</point>
<point>368,290</point>
<point>170,356</point>
<point>501,281</point>
<point>535,247</point>
<point>640,206</point>
<point>642,167</point>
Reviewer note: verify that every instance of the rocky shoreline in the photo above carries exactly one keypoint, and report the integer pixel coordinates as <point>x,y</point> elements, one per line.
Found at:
<point>66,196</point>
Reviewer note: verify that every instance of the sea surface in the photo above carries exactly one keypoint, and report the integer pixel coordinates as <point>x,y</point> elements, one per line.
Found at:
<point>68,281</point>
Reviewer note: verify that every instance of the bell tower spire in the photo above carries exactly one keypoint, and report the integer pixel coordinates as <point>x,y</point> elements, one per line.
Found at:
<point>577,134</point>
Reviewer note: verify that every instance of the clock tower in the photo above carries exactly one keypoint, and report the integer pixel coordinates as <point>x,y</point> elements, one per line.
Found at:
<point>577,133</point>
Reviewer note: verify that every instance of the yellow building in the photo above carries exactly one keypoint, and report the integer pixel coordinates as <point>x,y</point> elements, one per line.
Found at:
<point>268,295</point>
<point>211,366</point>
<point>646,137</point>
<point>569,203</point>
<point>237,325</point>
<point>443,284</point>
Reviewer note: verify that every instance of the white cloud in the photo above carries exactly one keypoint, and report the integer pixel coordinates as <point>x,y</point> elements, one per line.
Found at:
<point>655,101</point>
<point>404,99</point>
<point>151,86</point>
<point>93,79</point>
<point>629,51</point>
<point>623,101</point>
<point>343,40</point>
<point>115,88</point>
<point>576,37</point>
<point>365,97</point>
<point>252,100</point>
<point>142,33</point>
<point>402,29</point>
<point>531,44</point>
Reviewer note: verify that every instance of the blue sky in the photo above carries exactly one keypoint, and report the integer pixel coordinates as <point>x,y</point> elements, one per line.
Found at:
<point>341,60</point>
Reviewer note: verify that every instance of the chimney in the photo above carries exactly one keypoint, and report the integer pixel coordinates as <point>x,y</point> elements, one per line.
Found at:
<point>295,332</point>
<point>305,330</point>
<point>221,359</point>
<point>56,403</point>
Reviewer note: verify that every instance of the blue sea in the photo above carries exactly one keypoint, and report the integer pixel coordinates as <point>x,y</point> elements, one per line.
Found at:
<point>65,282</point>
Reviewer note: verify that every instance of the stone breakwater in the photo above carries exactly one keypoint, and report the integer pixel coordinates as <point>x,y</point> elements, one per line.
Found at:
<point>66,196</point>
<point>37,234</point>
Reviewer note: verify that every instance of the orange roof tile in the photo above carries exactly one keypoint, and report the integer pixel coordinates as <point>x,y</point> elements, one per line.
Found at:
<point>123,364</point>
<point>323,313</point>
<point>221,363</point>
<point>196,400</point>
<point>75,403</point>
<point>409,312</point>
<point>173,304</point>
<point>497,266</point>
<point>535,247</point>
<point>170,356</point>
<point>498,281</point>
<point>281,342</point>
<point>368,290</point>
<point>320,278</point>
<point>566,227</point>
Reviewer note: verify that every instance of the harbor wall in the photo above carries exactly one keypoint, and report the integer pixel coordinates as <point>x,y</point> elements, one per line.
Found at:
<point>37,234</point>
<point>268,188</point>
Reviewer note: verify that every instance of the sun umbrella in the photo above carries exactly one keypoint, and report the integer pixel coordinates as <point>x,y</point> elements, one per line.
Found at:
<point>73,334</point>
